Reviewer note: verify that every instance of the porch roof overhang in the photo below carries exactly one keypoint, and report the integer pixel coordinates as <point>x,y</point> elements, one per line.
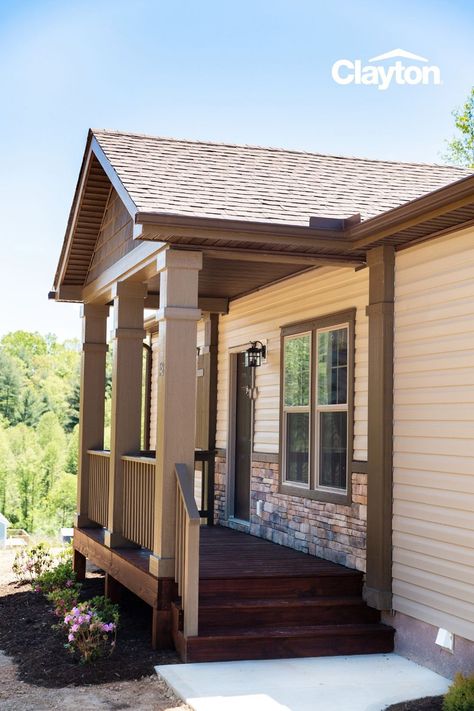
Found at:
<point>242,255</point>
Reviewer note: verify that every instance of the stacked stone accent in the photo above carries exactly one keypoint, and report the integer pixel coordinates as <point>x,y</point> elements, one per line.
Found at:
<point>332,531</point>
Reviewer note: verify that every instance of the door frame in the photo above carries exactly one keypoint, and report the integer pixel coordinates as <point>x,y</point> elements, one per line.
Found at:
<point>231,433</point>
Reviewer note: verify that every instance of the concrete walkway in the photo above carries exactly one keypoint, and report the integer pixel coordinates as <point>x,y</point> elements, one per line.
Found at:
<point>359,683</point>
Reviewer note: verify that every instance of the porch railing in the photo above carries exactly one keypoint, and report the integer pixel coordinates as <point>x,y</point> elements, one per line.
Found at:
<point>204,476</point>
<point>99,472</point>
<point>139,499</point>
<point>187,549</point>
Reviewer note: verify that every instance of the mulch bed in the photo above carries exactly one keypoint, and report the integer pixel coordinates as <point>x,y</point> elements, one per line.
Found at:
<point>38,650</point>
<point>429,703</point>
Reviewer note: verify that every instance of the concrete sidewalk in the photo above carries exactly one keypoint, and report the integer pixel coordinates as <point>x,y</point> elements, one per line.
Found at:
<point>358,683</point>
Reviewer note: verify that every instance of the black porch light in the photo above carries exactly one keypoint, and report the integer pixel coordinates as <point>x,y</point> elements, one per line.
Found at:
<point>254,354</point>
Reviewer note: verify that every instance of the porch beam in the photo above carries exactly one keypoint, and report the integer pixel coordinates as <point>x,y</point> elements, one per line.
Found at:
<point>267,256</point>
<point>176,398</point>
<point>127,338</point>
<point>92,399</point>
<point>296,236</point>
<point>378,590</point>
<point>212,304</point>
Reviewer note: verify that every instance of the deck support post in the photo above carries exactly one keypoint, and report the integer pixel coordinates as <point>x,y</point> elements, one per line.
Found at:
<point>79,562</point>
<point>125,431</point>
<point>176,402</point>
<point>92,400</point>
<point>378,589</point>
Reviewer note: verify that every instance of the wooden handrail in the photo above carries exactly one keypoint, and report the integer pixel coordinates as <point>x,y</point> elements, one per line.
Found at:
<point>187,549</point>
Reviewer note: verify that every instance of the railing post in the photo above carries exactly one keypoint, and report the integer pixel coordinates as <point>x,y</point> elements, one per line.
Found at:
<point>92,400</point>
<point>128,335</point>
<point>176,401</point>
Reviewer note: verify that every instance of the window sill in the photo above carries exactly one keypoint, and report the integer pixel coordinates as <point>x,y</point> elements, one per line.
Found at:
<point>326,497</point>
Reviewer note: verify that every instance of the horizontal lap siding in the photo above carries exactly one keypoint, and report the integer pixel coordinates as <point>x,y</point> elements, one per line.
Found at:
<point>260,316</point>
<point>433,535</point>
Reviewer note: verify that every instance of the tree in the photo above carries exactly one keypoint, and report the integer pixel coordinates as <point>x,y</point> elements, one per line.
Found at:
<point>52,443</point>
<point>10,384</point>
<point>62,503</point>
<point>461,147</point>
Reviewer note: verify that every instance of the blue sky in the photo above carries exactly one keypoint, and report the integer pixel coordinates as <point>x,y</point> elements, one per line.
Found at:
<point>254,72</point>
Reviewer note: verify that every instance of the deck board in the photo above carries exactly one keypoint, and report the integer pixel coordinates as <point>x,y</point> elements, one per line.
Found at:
<point>225,553</point>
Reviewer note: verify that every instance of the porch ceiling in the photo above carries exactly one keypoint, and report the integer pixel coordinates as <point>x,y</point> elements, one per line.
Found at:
<point>222,278</point>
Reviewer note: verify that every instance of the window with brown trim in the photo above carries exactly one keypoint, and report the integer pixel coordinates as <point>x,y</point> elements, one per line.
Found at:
<point>316,407</point>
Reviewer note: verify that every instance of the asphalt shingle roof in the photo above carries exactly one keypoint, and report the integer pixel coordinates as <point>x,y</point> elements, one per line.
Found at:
<point>262,184</point>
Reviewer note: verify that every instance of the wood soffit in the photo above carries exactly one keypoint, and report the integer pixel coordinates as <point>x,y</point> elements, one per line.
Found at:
<point>254,253</point>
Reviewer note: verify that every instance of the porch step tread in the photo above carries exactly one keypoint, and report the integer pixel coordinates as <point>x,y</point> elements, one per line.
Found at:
<point>294,631</point>
<point>249,603</point>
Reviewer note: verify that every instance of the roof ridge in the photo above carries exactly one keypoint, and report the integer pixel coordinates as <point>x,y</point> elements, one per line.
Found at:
<point>108,131</point>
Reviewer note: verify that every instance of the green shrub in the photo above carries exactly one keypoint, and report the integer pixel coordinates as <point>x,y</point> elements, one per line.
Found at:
<point>106,610</point>
<point>61,576</point>
<point>460,696</point>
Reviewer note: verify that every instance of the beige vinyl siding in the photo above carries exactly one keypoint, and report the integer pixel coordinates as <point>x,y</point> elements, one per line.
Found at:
<point>260,315</point>
<point>433,569</point>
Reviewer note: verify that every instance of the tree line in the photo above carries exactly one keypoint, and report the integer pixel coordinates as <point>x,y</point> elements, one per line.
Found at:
<point>39,415</point>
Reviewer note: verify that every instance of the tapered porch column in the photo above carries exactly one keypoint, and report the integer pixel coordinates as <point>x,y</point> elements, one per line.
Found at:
<point>378,590</point>
<point>125,426</point>
<point>92,401</point>
<point>176,413</point>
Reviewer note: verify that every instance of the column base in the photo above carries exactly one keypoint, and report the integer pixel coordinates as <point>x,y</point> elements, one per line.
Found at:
<point>116,540</point>
<point>161,567</point>
<point>380,599</point>
<point>81,520</point>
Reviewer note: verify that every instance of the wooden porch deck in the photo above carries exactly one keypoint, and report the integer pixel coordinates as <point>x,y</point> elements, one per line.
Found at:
<point>256,599</point>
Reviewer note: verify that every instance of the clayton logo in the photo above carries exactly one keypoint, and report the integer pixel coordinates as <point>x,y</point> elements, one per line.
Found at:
<point>352,71</point>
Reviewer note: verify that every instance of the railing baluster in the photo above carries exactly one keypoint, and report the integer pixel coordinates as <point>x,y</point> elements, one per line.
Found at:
<point>99,467</point>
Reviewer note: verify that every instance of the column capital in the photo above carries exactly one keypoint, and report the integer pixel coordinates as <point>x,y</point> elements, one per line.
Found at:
<point>178,313</point>
<point>178,259</point>
<point>94,311</point>
<point>129,289</point>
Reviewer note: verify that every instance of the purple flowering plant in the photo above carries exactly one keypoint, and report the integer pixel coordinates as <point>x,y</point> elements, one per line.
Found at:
<point>91,629</point>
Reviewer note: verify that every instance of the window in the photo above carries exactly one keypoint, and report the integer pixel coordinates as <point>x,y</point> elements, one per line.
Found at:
<point>317,405</point>
<point>296,407</point>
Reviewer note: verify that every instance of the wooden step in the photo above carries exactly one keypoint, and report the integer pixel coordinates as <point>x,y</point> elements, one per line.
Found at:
<point>222,614</point>
<point>347,582</point>
<point>286,642</point>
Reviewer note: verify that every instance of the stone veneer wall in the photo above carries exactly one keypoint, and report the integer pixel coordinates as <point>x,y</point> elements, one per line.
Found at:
<point>330,531</point>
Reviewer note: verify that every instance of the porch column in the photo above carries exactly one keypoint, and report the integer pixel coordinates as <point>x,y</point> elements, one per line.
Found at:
<point>378,592</point>
<point>176,411</point>
<point>125,426</point>
<point>92,400</point>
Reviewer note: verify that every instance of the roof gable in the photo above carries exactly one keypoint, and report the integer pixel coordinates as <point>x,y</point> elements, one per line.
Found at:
<point>217,180</point>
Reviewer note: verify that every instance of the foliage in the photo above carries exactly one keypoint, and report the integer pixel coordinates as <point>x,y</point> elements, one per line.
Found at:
<point>64,599</point>
<point>60,576</point>
<point>105,609</point>
<point>461,147</point>
<point>90,636</point>
<point>39,409</point>
<point>10,385</point>
<point>460,696</point>
<point>32,562</point>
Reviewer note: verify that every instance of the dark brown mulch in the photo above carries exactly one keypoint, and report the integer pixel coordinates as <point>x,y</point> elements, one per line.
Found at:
<point>38,650</point>
<point>429,703</point>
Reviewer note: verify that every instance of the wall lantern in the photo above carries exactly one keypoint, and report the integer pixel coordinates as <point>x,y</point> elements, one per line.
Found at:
<point>254,354</point>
